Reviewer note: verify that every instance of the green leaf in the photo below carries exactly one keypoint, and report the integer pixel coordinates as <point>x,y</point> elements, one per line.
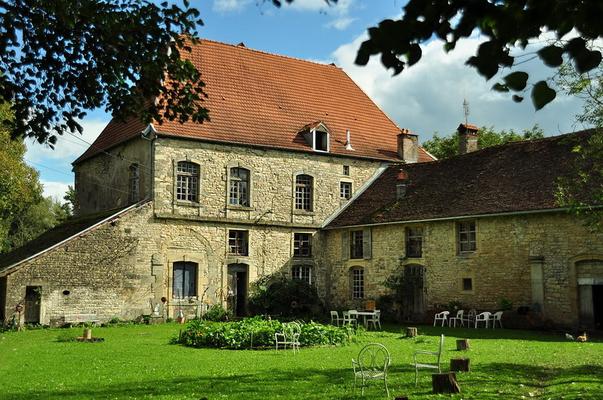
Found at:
<point>551,55</point>
<point>517,80</point>
<point>542,94</point>
<point>517,99</point>
<point>499,87</point>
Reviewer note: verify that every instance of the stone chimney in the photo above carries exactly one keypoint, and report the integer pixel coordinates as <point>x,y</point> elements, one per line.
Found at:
<point>408,146</point>
<point>401,184</point>
<point>467,138</point>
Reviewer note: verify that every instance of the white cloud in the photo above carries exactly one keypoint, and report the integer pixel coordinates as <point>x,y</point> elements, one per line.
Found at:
<point>341,23</point>
<point>56,190</point>
<point>226,6</point>
<point>428,96</point>
<point>341,7</point>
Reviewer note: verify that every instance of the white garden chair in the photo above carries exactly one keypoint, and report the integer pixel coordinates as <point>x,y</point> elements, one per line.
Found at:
<point>289,336</point>
<point>350,317</point>
<point>459,317</point>
<point>372,364</point>
<point>335,318</point>
<point>442,316</point>
<point>483,317</point>
<point>469,318</point>
<point>436,354</point>
<point>374,319</point>
<point>496,317</point>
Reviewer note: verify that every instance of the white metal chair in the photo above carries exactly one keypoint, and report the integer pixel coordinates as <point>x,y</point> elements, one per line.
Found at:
<point>372,364</point>
<point>459,317</point>
<point>496,317</point>
<point>469,318</point>
<point>350,317</point>
<point>335,318</point>
<point>289,336</point>
<point>442,316</point>
<point>483,317</point>
<point>374,319</point>
<point>437,354</point>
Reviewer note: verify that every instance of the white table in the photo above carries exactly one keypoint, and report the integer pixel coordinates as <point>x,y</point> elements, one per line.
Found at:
<point>365,314</point>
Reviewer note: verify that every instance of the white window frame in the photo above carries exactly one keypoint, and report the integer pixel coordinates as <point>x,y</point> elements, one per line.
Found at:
<point>302,272</point>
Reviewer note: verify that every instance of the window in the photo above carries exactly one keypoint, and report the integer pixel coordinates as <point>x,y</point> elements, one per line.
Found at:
<point>414,242</point>
<point>345,190</point>
<point>239,187</point>
<point>302,273</point>
<point>303,192</point>
<point>467,284</point>
<point>185,279</point>
<point>187,181</point>
<point>134,183</point>
<point>356,244</point>
<point>357,283</point>
<point>346,170</point>
<point>238,242</point>
<point>466,238</point>
<point>302,245</point>
<point>321,141</point>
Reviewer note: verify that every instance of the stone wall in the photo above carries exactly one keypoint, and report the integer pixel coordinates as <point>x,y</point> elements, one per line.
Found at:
<point>102,182</point>
<point>507,250</point>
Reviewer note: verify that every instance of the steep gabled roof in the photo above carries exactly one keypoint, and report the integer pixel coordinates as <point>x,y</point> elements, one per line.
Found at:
<point>515,177</point>
<point>257,98</point>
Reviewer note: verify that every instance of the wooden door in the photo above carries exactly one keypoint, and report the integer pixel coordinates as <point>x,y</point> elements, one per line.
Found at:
<point>32,304</point>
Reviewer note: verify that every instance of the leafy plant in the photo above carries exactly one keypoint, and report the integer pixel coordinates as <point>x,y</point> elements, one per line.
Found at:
<point>217,313</point>
<point>505,304</point>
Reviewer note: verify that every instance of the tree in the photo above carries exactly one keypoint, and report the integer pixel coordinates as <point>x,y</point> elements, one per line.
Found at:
<point>504,24</point>
<point>70,200</point>
<point>448,146</point>
<point>61,58</point>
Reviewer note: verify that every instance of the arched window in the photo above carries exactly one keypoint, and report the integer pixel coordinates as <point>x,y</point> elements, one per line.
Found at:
<point>302,273</point>
<point>184,283</point>
<point>187,181</point>
<point>357,282</point>
<point>134,183</point>
<point>239,191</point>
<point>303,192</point>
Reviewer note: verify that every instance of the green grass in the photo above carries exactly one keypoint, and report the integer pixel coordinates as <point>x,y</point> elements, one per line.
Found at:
<point>137,362</point>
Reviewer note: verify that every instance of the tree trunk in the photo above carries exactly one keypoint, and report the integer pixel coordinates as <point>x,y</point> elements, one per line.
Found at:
<point>445,383</point>
<point>462,344</point>
<point>459,365</point>
<point>411,332</point>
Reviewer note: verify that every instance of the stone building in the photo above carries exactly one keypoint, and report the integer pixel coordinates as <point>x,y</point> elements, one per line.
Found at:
<point>298,171</point>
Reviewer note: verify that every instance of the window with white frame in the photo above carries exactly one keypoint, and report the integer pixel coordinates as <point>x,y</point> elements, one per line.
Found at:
<point>238,242</point>
<point>184,279</point>
<point>346,170</point>
<point>321,140</point>
<point>345,190</point>
<point>239,191</point>
<point>303,192</point>
<point>187,181</point>
<point>466,237</point>
<point>134,183</point>
<point>302,244</point>
<point>357,277</point>
<point>357,244</point>
<point>302,273</point>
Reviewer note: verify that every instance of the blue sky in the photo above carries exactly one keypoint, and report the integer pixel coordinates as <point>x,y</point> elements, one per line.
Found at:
<point>425,98</point>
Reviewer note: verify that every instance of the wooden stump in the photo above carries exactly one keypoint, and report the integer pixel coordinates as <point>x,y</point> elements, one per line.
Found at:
<point>87,334</point>
<point>445,383</point>
<point>462,344</point>
<point>459,365</point>
<point>401,398</point>
<point>411,332</point>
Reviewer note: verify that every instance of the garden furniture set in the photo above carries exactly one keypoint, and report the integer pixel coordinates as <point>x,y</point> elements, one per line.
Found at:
<point>370,317</point>
<point>472,318</point>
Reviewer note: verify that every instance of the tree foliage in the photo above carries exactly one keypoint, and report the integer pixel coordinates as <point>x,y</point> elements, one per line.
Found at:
<point>61,58</point>
<point>448,146</point>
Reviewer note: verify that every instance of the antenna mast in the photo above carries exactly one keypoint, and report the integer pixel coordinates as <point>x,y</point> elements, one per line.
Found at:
<point>466,111</point>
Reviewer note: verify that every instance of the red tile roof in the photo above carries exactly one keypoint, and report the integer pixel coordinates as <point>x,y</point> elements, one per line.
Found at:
<point>257,98</point>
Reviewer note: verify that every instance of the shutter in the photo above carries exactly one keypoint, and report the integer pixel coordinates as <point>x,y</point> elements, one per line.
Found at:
<point>367,246</point>
<point>345,245</point>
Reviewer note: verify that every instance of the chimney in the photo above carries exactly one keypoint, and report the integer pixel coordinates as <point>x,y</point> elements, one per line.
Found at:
<point>467,138</point>
<point>408,146</point>
<point>401,184</point>
<point>348,140</point>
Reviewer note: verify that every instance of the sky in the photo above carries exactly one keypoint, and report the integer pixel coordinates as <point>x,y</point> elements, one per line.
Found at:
<point>425,98</point>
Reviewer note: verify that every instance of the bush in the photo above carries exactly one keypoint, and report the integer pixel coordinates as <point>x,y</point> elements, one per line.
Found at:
<point>217,313</point>
<point>277,295</point>
<point>256,332</point>
<point>505,304</point>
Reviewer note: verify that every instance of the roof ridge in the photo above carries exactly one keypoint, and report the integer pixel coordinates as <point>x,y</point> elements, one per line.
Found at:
<point>244,47</point>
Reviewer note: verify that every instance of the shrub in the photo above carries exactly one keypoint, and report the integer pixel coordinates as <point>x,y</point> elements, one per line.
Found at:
<point>277,295</point>
<point>217,313</point>
<point>256,332</point>
<point>505,304</point>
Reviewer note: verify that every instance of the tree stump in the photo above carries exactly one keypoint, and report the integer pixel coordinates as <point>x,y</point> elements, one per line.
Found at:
<point>445,383</point>
<point>462,344</point>
<point>459,365</point>
<point>401,398</point>
<point>411,332</point>
<point>87,334</point>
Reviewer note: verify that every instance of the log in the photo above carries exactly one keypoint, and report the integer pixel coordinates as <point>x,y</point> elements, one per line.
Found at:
<point>411,332</point>
<point>462,344</point>
<point>445,383</point>
<point>87,334</point>
<point>459,365</point>
<point>401,398</point>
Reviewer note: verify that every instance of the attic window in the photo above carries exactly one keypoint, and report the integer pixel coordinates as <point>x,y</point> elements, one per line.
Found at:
<point>321,141</point>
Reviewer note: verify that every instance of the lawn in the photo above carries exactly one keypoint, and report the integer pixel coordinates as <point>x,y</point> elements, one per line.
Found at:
<point>137,362</point>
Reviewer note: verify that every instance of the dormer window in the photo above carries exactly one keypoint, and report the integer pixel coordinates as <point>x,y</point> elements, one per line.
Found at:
<point>317,135</point>
<point>321,140</point>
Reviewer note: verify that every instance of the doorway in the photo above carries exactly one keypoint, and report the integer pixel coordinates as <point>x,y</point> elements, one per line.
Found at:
<point>413,301</point>
<point>2,299</point>
<point>33,299</point>
<point>238,282</point>
<point>598,306</point>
